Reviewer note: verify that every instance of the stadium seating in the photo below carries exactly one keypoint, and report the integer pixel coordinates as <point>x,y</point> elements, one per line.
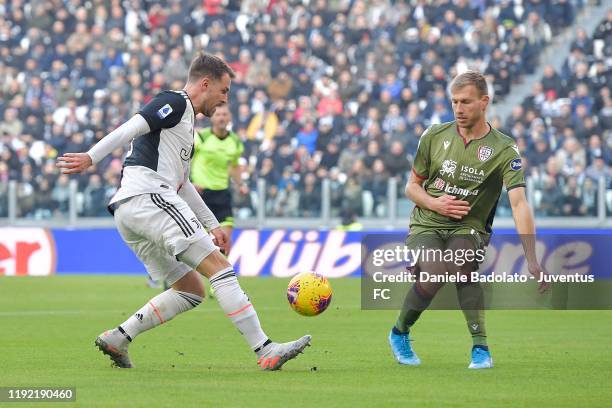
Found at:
<point>324,90</point>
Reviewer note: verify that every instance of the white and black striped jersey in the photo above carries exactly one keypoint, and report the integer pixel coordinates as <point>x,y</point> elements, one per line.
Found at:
<point>159,161</point>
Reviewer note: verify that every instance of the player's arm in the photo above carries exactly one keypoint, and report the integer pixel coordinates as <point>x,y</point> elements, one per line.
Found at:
<point>445,205</point>
<point>523,219</point>
<point>525,226</point>
<point>189,193</point>
<point>71,163</point>
<point>164,111</point>
<point>514,179</point>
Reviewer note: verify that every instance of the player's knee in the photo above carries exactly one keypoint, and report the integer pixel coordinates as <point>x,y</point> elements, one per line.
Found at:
<point>213,263</point>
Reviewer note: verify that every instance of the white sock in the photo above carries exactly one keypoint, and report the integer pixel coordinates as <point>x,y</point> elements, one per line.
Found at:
<point>238,308</point>
<point>159,310</point>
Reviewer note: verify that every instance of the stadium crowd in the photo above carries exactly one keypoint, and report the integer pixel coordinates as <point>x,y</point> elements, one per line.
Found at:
<point>324,89</point>
<point>564,128</point>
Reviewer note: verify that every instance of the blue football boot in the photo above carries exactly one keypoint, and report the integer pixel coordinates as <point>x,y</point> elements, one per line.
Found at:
<point>401,348</point>
<point>481,358</point>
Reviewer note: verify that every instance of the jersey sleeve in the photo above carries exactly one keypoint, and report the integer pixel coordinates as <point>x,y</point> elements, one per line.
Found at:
<point>513,173</point>
<point>422,158</point>
<point>164,111</point>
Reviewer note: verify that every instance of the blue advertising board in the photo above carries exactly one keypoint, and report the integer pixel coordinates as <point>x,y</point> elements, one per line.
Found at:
<point>278,253</point>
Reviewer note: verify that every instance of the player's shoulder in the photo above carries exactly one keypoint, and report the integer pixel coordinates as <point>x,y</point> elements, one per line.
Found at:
<point>176,97</point>
<point>165,110</point>
<point>167,103</point>
<point>434,131</point>
<point>503,140</point>
<point>502,137</point>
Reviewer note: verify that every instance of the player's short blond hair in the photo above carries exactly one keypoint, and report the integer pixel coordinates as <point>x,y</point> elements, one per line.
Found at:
<point>474,78</point>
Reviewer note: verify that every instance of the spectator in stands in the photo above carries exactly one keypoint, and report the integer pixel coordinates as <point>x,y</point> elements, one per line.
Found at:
<point>310,197</point>
<point>552,199</point>
<point>538,32</point>
<point>376,182</point>
<point>571,156</point>
<point>11,125</point>
<point>551,81</point>
<point>572,204</point>
<point>94,197</point>
<point>349,155</point>
<point>61,194</point>
<point>358,71</point>
<point>287,202</point>
<point>582,42</point>
<point>308,135</point>
<point>396,161</point>
<point>598,169</point>
<point>589,198</point>
<point>263,124</point>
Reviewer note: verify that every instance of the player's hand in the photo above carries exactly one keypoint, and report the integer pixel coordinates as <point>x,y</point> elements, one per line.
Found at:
<point>450,206</point>
<point>72,163</point>
<point>536,270</point>
<point>221,240</point>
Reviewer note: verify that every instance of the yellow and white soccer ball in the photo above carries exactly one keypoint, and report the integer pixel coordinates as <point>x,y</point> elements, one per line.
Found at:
<point>309,294</point>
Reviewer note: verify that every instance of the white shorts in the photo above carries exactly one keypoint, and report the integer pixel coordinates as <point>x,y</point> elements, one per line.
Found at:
<point>159,227</point>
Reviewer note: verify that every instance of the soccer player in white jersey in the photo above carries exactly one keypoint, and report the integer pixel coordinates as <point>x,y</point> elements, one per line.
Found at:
<point>162,218</point>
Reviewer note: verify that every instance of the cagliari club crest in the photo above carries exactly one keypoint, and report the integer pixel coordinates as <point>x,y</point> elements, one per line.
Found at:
<point>484,152</point>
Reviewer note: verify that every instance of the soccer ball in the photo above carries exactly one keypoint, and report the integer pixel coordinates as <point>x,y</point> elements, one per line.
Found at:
<point>309,294</point>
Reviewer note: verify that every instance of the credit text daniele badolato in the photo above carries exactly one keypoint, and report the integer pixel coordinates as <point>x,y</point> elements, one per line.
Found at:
<point>503,277</point>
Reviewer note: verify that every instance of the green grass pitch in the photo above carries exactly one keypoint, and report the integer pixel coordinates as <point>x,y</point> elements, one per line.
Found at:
<point>48,326</point>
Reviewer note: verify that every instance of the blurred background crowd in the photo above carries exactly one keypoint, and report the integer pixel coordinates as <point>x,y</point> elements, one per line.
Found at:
<point>337,90</point>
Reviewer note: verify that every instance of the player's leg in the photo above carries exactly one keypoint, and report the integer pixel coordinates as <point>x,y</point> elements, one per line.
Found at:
<point>237,306</point>
<point>227,227</point>
<point>417,299</point>
<point>198,252</point>
<point>220,204</point>
<point>182,297</point>
<point>421,293</point>
<point>185,294</point>
<point>471,296</point>
<point>139,222</point>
